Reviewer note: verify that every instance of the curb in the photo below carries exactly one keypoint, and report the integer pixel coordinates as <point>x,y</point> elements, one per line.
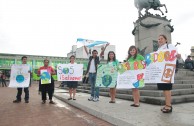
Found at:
<point>98,114</point>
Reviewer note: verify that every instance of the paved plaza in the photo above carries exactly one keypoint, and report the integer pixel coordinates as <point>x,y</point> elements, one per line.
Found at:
<point>35,113</point>
<point>123,115</point>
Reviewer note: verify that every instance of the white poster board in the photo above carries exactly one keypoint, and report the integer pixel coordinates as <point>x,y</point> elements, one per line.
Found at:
<point>20,76</point>
<point>161,66</point>
<point>69,72</point>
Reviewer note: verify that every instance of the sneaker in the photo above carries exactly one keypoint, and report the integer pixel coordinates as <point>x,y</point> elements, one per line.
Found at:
<point>52,102</point>
<point>91,98</point>
<point>16,101</point>
<point>43,101</point>
<point>96,99</point>
<point>26,101</point>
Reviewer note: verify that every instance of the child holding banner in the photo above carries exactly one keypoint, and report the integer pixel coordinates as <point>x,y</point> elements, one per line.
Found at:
<point>46,81</point>
<point>132,57</point>
<point>72,84</point>
<point>166,87</point>
<point>113,62</point>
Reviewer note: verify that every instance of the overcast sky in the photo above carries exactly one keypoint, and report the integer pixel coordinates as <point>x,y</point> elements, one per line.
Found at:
<point>51,27</point>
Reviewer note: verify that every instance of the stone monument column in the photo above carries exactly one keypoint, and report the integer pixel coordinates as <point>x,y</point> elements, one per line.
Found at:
<point>147,29</point>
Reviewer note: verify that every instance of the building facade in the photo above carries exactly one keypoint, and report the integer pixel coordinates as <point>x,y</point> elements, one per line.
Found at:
<point>7,60</point>
<point>80,52</point>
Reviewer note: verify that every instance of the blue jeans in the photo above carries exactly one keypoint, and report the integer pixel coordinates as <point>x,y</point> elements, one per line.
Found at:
<point>94,90</point>
<point>189,66</point>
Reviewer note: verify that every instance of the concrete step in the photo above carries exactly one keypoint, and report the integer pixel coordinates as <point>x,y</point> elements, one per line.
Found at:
<point>184,77</point>
<point>151,87</point>
<point>151,93</point>
<point>184,82</point>
<point>184,72</point>
<point>150,100</point>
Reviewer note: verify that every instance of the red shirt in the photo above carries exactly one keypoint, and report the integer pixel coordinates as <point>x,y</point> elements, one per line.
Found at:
<point>49,69</point>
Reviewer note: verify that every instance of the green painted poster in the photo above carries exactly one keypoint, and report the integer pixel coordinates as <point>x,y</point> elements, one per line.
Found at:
<point>106,76</point>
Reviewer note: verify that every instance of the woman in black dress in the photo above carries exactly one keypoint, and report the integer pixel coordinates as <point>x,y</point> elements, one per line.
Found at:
<point>166,87</point>
<point>72,84</point>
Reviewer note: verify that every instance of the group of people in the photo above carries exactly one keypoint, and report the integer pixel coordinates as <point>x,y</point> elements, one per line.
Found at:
<point>94,61</point>
<point>187,64</point>
<point>44,88</point>
<point>133,56</point>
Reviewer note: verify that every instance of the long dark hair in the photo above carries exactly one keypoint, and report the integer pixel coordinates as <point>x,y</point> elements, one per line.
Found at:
<point>114,58</point>
<point>129,55</point>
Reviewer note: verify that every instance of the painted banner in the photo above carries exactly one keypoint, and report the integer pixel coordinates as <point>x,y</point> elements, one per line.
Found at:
<point>90,43</point>
<point>106,76</point>
<point>131,75</point>
<point>20,76</point>
<point>45,77</point>
<point>161,66</point>
<point>69,72</point>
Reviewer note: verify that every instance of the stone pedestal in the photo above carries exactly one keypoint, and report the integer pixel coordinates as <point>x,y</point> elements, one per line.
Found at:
<point>147,29</point>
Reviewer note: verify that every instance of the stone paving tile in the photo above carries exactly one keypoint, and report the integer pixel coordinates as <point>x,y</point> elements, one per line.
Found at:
<point>36,114</point>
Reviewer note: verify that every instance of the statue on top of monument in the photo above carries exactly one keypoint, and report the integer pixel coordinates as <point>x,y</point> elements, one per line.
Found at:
<point>148,4</point>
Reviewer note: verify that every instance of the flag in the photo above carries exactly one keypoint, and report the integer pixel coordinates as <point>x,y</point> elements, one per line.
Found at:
<point>90,43</point>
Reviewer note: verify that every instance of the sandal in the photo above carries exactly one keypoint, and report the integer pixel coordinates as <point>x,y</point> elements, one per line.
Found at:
<point>135,105</point>
<point>74,99</point>
<point>69,99</point>
<point>111,101</point>
<point>164,110</point>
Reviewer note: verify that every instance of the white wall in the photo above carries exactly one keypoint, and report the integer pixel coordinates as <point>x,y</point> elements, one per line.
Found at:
<point>80,52</point>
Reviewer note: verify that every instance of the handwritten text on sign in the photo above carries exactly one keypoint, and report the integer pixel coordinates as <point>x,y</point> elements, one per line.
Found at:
<point>131,75</point>
<point>69,72</point>
<point>160,66</point>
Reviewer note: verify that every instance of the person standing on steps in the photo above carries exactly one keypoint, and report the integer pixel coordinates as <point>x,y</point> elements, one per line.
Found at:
<point>166,87</point>
<point>112,61</point>
<point>93,63</point>
<point>133,56</point>
<point>72,84</point>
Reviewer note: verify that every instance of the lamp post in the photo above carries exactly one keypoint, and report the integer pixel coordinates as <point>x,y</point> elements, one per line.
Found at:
<point>177,43</point>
